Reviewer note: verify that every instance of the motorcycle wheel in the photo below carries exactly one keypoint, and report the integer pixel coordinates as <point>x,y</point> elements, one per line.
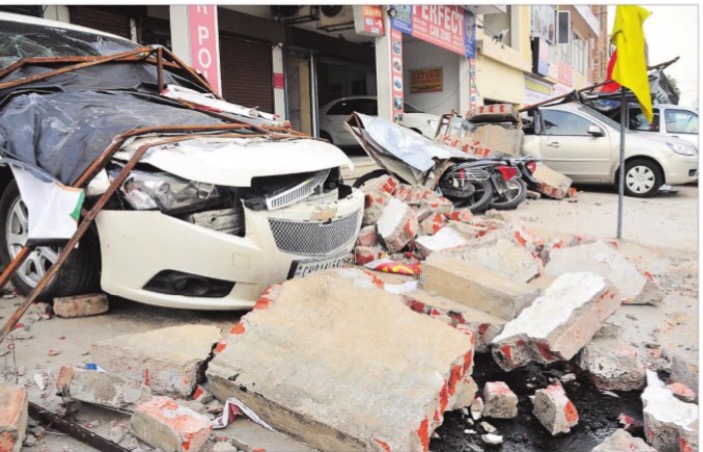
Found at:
<point>517,192</point>
<point>479,200</point>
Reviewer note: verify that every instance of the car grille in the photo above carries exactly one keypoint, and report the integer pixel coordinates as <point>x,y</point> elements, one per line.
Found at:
<point>297,193</point>
<point>314,238</point>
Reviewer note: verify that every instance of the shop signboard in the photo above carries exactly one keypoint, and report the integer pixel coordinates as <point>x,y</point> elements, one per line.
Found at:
<point>536,91</point>
<point>204,45</point>
<point>447,26</point>
<point>565,74</point>
<point>368,20</point>
<point>543,58</point>
<point>397,76</point>
<point>426,80</point>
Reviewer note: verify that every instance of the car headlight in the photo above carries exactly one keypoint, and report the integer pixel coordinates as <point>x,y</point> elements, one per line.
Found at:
<point>146,191</point>
<point>682,149</point>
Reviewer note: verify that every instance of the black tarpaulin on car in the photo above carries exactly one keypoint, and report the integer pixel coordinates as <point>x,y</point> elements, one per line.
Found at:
<point>63,123</point>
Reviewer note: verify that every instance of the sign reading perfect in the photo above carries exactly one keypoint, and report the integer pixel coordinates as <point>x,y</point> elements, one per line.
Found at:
<point>447,26</point>
<point>204,46</point>
<point>426,80</point>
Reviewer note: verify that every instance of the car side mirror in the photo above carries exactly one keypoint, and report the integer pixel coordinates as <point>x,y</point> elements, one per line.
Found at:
<point>595,131</point>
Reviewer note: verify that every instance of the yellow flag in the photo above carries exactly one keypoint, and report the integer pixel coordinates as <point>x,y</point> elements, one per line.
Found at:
<point>631,65</point>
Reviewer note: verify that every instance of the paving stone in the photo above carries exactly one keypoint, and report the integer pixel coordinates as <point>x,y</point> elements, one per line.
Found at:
<point>360,370</point>
<point>397,225</point>
<point>668,420</point>
<point>554,409</point>
<point>557,324</point>
<point>604,260</point>
<point>475,286</point>
<point>14,403</point>
<point>81,305</point>
<point>162,423</point>
<point>621,440</point>
<point>167,360</point>
<point>100,388</point>
<point>500,402</point>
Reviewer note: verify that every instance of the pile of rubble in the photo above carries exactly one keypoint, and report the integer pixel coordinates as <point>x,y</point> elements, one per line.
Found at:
<point>352,359</point>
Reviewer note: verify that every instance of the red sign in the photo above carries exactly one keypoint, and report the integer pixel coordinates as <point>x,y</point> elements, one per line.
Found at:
<point>204,45</point>
<point>278,80</point>
<point>368,20</point>
<point>441,25</point>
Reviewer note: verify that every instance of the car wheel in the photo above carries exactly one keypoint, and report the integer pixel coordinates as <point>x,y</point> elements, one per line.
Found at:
<point>326,136</point>
<point>78,275</point>
<point>642,178</point>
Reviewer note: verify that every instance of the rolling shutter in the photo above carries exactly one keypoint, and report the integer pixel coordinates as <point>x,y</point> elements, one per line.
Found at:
<point>106,21</point>
<point>247,73</point>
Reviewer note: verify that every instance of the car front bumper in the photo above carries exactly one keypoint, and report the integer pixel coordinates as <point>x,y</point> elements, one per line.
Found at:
<point>679,169</point>
<point>137,245</point>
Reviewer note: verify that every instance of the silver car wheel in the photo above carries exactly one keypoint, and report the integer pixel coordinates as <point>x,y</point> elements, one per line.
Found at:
<point>640,179</point>
<point>16,231</point>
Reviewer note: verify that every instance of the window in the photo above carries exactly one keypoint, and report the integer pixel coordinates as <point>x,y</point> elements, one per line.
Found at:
<point>639,122</point>
<point>578,53</point>
<point>681,121</point>
<point>561,123</point>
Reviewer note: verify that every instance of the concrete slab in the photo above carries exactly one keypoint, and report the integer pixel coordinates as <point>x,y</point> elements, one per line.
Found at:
<point>343,367</point>
<point>14,403</point>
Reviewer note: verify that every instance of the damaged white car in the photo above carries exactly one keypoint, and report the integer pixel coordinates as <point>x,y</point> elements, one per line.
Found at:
<point>205,220</point>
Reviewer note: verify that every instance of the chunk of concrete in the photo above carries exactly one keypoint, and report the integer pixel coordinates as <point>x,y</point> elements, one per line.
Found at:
<point>397,225</point>
<point>602,259</point>
<point>365,254</point>
<point>386,184</point>
<point>484,325</point>
<point>475,286</point>
<point>683,392</point>
<point>684,371</point>
<point>81,305</point>
<point>367,236</point>
<point>552,183</point>
<point>374,204</point>
<point>500,255</point>
<point>443,239</point>
<point>14,405</point>
<point>360,370</point>
<point>612,364</point>
<point>667,420</point>
<point>621,440</point>
<point>500,402</point>
<point>167,360</point>
<point>432,224</point>
<point>467,395</point>
<point>100,388</point>
<point>557,324</point>
<point>554,409</point>
<point>163,423</point>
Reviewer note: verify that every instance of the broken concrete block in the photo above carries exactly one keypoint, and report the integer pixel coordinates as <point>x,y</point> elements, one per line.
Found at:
<point>81,305</point>
<point>445,238</point>
<point>432,224</point>
<point>475,286</point>
<point>414,195</point>
<point>386,184</point>
<point>602,259</point>
<point>500,402</point>
<point>683,392</point>
<point>557,324</point>
<point>467,395</point>
<point>621,440</point>
<point>361,371</point>
<point>14,403</point>
<point>552,183</point>
<point>374,204</point>
<point>612,364</point>
<point>167,360</point>
<point>164,424</point>
<point>365,254</point>
<point>460,215</point>
<point>100,388</point>
<point>683,371</point>
<point>477,409</point>
<point>554,409</point>
<point>484,325</point>
<point>367,236</point>
<point>500,255</point>
<point>666,419</point>
<point>397,225</point>
<point>437,204</point>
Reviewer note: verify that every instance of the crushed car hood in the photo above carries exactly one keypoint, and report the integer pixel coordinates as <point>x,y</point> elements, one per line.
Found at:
<point>234,162</point>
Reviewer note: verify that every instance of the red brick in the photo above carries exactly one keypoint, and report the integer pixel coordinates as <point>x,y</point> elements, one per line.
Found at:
<point>165,424</point>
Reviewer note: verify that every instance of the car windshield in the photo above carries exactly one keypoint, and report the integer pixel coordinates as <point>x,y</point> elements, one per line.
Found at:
<point>21,40</point>
<point>600,116</point>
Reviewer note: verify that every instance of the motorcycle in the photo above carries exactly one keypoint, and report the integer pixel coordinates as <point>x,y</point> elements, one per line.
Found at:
<point>517,174</point>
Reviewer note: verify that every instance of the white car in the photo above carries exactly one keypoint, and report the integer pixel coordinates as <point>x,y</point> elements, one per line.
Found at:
<point>207,222</point>
<point>673,121</point>
<point>585,145</point>
<point>333,115</point>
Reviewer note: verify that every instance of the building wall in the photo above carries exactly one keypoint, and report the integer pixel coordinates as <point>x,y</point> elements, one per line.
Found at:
<point>421,55</point>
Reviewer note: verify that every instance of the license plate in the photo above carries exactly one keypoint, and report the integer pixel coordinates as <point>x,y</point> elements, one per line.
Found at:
<point>304,268</point>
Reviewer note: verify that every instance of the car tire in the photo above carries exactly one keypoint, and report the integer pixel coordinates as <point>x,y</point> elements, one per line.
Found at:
<point>518,192</point>
<point>642,178</point>
<point>326,136</point>
<point>80,273</point>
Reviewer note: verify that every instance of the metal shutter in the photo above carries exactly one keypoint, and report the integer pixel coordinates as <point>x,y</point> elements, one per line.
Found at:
<point>247,73</point>
<point>98,19</point>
